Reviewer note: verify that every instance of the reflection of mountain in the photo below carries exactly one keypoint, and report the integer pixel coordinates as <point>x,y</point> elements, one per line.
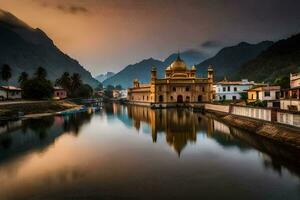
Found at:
<point>37,134</point>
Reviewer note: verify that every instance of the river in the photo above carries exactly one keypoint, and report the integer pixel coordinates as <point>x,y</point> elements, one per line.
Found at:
<point>131,152</point>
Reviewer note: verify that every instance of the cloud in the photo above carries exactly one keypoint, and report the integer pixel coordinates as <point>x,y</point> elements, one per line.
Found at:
<point>73,9</point>
<point>211,44</point>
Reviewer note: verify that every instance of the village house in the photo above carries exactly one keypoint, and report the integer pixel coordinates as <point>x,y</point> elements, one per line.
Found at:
<point>231,90</point>
<point>119,94</point>
<point>269,93</point>
<point>10,93</point>
<point>179,86</point>
<point>59,93</point>
<point>291,97</point>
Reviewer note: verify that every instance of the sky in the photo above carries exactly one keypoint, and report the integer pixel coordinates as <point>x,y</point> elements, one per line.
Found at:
<point>107,35</point>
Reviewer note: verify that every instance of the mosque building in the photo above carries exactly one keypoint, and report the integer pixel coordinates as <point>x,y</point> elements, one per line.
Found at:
<point>179,87</point>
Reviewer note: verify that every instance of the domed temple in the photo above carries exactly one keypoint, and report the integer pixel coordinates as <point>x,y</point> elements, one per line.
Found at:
<point>180,86</point>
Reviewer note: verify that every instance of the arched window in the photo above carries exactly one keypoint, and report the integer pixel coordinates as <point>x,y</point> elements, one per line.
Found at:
<point>174,89</point>
<point>171,98</point>
<point>161,98</point>
<point>200,98</point>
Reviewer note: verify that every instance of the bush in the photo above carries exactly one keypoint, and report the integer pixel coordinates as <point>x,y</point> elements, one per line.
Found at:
<point>37,88</point>
<point>84,91</point>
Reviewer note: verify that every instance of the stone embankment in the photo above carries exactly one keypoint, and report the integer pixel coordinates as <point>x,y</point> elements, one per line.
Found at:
<point>287,135</point>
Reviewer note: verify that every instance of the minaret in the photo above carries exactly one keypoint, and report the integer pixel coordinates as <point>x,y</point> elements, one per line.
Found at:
<point>153,75</point>
<point>210,74</point>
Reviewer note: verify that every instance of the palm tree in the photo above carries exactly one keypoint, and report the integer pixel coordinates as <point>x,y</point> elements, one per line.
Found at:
<point>6,75</point>
<point>76,81</point>
<point>23,78</point>
<point>64,81</point>
<point>40,73</point>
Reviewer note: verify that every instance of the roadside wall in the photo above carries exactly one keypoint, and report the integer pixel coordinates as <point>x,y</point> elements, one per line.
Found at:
<point>292,119</point>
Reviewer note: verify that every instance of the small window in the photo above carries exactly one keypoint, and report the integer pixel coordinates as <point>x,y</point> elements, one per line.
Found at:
<point>187,99</point>
<point>159,88</point>
<point>228,88</point>
<point>161,98</point>
<point>187,89</point>
<point>224,97</point>
<point>171,98</point>
<point>147,98</point>
<point>267,93</point>
<point>203,89</point>
<point>235,89</point>
<point>224,89</point>
<point>174,89</point>
<point>233,97</point>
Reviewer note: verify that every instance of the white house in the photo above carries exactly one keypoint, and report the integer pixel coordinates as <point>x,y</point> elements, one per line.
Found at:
<point>230,90</point>
<point>11,92</point>
<point>291,97</point>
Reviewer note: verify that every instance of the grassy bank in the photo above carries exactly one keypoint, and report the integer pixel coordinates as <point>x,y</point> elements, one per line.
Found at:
<point>12,110</point>
<point>274,131</point>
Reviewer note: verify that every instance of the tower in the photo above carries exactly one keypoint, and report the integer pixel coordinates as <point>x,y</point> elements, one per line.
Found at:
<point>153,74</point>
<point>210,74</point>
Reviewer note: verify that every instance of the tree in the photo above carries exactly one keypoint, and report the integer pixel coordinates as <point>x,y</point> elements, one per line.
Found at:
<point>84,91</point>
<point>99,87</point>
<point>23,78</point>
<point>76,81</point>
<point>65,81</point>
<point>40,73</point>
<point>118,87</point>
<point>38,88</point>
<point>110,88</point>
<point>6,75</point>
<point>283,82</point>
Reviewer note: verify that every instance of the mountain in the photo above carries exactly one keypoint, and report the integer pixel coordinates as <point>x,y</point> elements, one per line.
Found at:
<point>25,49</point>
<point>141,70</point>
<point>280,59</point>
<point>229,60</point>
<point>102,77</point>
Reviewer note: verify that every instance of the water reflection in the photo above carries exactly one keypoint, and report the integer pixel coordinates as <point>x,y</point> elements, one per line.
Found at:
<point>182,127</point>
<point>140,153</point>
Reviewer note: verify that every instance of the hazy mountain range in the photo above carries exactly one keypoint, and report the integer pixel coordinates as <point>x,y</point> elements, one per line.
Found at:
<point>141,70</point>
<point>227,62</point>
<point>102,77</point>
<point>25,49</point>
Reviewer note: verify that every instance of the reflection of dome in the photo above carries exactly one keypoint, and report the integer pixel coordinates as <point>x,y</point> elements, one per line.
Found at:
<point>178,65</point>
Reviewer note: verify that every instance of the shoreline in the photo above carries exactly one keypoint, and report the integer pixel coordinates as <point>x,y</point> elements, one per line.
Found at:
<point>34,109</point>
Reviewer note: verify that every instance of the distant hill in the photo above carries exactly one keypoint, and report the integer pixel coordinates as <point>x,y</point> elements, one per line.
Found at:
<point>25,49</point>
<point>280,59</point>
<point>141,70</point>
<point>102,77</point>
<point>229,60</point>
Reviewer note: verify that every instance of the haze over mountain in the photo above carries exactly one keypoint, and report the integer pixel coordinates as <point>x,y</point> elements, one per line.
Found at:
<point>141,70</point>
<point>227,62</point>
<point>102,77</point>
<point>25,49</point>
<point>279,60</point>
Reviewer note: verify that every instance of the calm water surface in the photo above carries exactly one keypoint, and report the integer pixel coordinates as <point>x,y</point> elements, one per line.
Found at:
<point>138,153</point>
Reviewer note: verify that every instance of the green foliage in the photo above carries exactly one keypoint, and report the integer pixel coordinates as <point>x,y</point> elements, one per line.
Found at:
<point>5,72</point>
<point>23,78</point>
<point>40,73</point>
<point>108,93</point>
<point>110,88</point>
<point>118,87</point>
<point>64,81</point>
<point>259,103</point>
<point>76,81</point>
<point>244,96</point>
<point>84,91</point>
<point>37,88</point>
<point>283,82</point>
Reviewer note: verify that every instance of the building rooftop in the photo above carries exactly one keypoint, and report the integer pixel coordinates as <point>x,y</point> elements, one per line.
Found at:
<point>11,88</point>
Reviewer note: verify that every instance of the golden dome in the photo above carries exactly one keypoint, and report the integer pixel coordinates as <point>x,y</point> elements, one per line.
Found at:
<point>194,68</point>
<point>178,65</point>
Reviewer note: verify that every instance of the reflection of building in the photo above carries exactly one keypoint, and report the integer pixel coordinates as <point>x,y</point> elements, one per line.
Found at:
<point>180,85</point>
<point>231,90</point>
